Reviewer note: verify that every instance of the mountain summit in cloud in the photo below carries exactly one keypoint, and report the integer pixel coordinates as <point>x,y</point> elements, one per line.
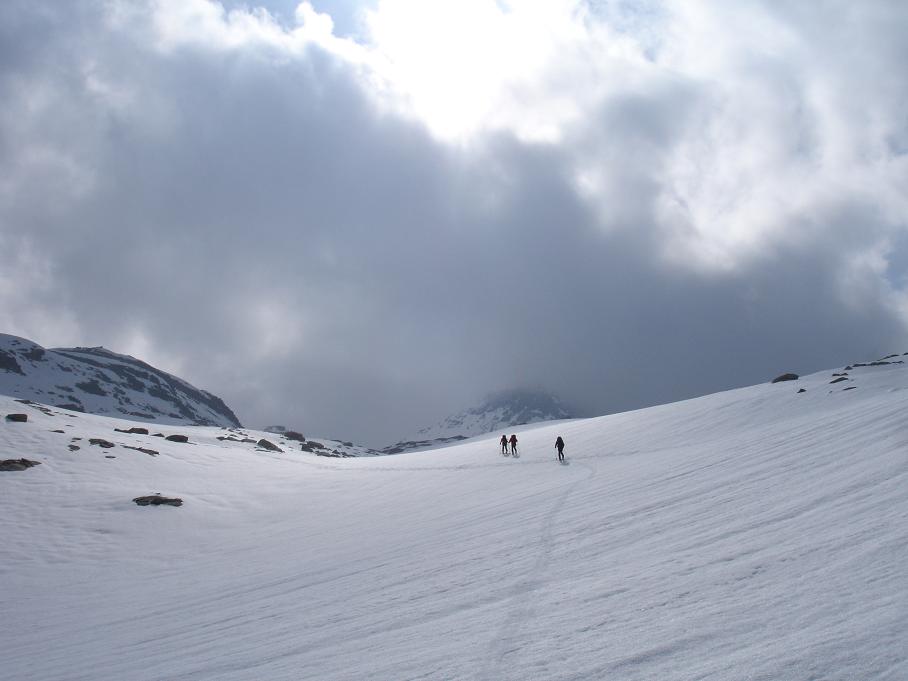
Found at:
<point>500,410</point>
<point>98,381</point>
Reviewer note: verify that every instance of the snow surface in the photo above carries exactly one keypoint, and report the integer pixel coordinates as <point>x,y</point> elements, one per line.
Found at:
<point>752,534</point>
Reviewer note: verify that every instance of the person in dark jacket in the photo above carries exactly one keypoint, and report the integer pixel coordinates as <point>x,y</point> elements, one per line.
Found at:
<point>504,445</point>
<point>559,445</point>
<point>513,444</point>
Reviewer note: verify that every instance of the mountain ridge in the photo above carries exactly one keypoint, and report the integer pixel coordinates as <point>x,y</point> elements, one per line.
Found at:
<point>99,381</point>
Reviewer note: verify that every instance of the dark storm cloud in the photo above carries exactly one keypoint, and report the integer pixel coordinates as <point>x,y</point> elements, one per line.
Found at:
<point>257,224</point>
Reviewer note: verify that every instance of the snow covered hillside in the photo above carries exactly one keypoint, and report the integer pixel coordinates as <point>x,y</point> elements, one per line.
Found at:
<point>498,412</point>
<point>759,533</point>
<point>98,381</point>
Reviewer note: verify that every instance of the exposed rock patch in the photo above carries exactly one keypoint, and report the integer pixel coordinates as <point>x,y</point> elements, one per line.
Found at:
<point>17,418</point>
<point>133,431</point>
<point>158,500</point>
<point>177,438</point>
<point>17,464</point>
<point>838,380</point>
<point>144,450</point>
<point>785,377</point>
<point>105,444</point>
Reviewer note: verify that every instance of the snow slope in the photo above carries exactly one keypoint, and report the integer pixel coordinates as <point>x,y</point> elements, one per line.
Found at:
<point>99,381</point>
<point>753,534</point>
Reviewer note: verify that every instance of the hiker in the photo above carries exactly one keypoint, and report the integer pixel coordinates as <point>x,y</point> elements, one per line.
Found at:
<point>504,445</point>
<point>513,444</point>
<point>559,445</point>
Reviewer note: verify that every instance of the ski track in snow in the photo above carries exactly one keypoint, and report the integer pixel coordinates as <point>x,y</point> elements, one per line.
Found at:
<point>520,609</point>
<point>750,535</point>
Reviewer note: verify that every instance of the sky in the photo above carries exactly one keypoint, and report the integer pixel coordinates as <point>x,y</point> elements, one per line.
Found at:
<point>354,218</point>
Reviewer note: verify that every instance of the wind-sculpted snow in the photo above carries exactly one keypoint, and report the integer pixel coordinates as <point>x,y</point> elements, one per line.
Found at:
<point>753,534</point>
<point>98,381</point>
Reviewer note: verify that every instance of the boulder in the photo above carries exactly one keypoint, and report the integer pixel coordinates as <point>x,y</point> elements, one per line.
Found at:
<point>803,390</point>
<point>17,464</point>
<point>106,444</point>
<point>18,418</point>
<point>270,446</point>
<point>177,438</point>
<point>158,500</point>
<point>838,380</point>
<point>785,377</point>
<point>293,435</point>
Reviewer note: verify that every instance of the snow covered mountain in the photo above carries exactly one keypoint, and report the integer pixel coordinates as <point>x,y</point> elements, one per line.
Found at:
<point>758,533</point>
<point>98,381</point>
<point>498,412</point>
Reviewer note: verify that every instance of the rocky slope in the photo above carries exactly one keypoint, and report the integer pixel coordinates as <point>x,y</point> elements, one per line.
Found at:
<point>98,381</point>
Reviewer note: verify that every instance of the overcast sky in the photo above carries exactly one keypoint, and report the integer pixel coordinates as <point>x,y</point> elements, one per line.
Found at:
<point>356,217</point>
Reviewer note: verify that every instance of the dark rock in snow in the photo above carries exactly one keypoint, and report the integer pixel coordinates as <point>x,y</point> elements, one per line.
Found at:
<point>58,431</point>
<point>150,452</point>
<point>106,444</point>
<point>270,446</point>
<point>17,464</point>
<point>803,390</point>
<point>838,380</point>
<point>177,438</point>
<point>18,418</point>
<point>849,388</point>
<point>158,500</point>
<point>293,435</point>
<point>74,448</point>
<point>133,431</point>
<point>785,377</point>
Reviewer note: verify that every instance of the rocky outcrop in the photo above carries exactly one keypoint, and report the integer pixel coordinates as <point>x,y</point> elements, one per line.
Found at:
<point>98,381</point>
<point>17,418</point>
<point>177,438</point>
<point>99,442</point>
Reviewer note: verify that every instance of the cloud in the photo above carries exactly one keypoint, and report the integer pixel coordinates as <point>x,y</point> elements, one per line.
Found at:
<point>628,203</point>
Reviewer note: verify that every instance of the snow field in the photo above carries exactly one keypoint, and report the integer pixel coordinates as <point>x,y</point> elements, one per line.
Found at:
<point>752,534</point>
